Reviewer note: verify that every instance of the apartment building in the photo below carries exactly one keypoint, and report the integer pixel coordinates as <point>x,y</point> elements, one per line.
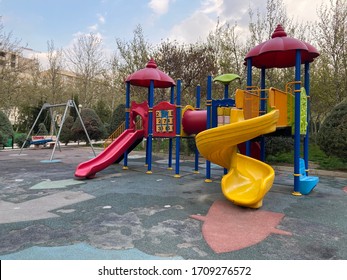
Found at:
<point>12,61</point>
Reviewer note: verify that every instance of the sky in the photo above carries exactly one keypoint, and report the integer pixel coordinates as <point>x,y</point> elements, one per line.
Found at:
<point>37,21</point>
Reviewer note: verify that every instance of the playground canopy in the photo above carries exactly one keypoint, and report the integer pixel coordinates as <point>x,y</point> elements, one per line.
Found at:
<point>143,77</point>
<point>280,50</point>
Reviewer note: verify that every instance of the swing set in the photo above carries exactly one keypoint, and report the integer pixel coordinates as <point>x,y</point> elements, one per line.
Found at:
<point>54,139</point>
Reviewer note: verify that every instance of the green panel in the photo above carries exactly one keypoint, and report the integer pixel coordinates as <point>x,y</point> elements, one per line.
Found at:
<point>226,78</point>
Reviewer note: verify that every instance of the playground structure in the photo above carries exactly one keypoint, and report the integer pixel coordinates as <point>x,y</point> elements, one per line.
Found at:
<point>226,126</point>
<point>53,139</point>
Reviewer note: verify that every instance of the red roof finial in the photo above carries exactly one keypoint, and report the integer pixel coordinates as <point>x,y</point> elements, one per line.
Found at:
<point>279,32</point>
<point>151,64</point>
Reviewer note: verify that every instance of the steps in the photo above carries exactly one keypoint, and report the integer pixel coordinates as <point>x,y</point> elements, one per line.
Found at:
<point>306,183</point>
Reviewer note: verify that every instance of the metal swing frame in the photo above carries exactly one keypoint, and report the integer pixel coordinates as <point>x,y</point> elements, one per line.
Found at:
<point>68,104</point>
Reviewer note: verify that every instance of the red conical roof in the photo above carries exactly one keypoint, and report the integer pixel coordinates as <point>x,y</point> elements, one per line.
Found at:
<point>143,77</point>
<point>280,51</point>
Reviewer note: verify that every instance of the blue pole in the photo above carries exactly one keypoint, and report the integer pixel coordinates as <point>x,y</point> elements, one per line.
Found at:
<point>127,120</point>
<point>197,107</point>
<point>226,91</point>
<point>249,72</point>
<point>263,110</point>
<point>297,124</point>
<point>170,154</point>
<point>198,97</point>
<point>208,125</point>
<point>307,88</point>
<point>226,96</point>
<point>178,128</point>
<point>150,126</point>
<point>146,160</point>
<point>127,105</point>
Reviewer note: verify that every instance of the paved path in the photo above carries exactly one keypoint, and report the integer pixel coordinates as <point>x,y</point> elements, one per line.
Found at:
<point>46,214</point>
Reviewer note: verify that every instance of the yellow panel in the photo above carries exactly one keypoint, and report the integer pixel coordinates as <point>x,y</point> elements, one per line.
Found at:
<point>279,99</point>
<point>239,98</point>
<point>251,101</point>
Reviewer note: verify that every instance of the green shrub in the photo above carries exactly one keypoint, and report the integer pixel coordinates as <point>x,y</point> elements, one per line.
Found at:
<point>118,117</point>
<point>102,110</point>
<point>6,128</point>
<point>191,146</point>
<point>2,139</point>
<point>332,136</point>
<point>20,138</point>
<point>93,124</point>
<point>66,134</point>
<point>278,144</point>
<point>42,129</point>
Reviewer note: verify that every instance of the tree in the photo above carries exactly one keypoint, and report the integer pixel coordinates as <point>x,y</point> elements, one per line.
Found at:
<point>53,75</point>
<point>20,83</point>
<point>92,123</point>
<point>191,63</point>
<point>262,27</point>
<point>131,56</point>
<point>12,66</point>
<point>87,60</point>
<point>228,49</point>
<point>331,37</point>
<point>134,54</point>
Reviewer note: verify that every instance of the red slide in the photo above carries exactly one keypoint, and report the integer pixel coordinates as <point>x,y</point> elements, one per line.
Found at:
<point>110,155</point>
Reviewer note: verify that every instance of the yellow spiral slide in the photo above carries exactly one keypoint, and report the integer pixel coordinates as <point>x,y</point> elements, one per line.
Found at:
<point>248,180</point>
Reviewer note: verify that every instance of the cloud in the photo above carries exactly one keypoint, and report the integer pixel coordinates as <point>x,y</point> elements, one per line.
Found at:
<point>159,7</point>
<point>194,28</point>
<point>297,8</point>
<point>101,18</point>
<point>212,6</point>
<point>93,28</point>
<point>204,19</point>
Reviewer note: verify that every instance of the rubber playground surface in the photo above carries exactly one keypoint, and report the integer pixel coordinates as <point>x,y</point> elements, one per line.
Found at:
<point>126,214</point>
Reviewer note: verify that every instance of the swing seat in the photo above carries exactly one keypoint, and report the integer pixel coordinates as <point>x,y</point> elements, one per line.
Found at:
<point>42,140</point>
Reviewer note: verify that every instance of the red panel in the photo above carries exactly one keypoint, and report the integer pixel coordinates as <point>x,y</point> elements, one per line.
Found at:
<point>164,120</point>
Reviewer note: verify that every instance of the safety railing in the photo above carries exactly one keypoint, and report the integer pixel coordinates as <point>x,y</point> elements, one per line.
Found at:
<point>119,131</point>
